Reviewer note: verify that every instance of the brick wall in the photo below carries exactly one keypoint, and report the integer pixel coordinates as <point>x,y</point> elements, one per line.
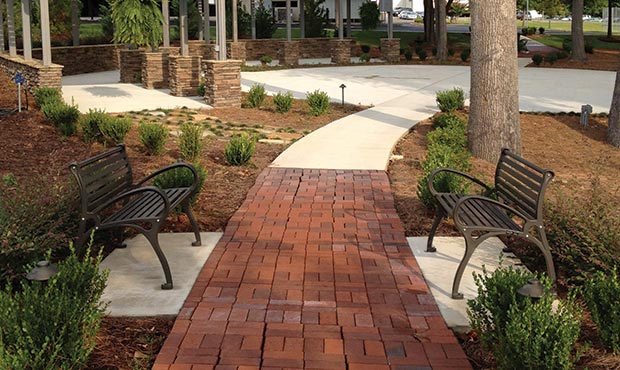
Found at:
<point>390,50</point>
<point>84,59</point>
<point>308,48</point>
<point>35,73</point>
<point>184,75</point>
<point>131,62</point>
<point>222,82</point>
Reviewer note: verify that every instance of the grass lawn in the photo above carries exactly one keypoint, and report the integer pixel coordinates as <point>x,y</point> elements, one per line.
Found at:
<point>556,41</point>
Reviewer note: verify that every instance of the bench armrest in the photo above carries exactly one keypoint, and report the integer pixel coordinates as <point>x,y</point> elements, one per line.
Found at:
<point>431,179</point>
<point>464,200</point>
<point>171,167</point>
<point>130,193</point>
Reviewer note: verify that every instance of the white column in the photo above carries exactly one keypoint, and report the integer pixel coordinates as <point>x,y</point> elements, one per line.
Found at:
<point>253,19</point>
<point>10,25</point>
<point>45,33</point>
<point>288,20</point>
<point>1,28</point>
<point>348,18</point>
<point>302,19</point>
<point>165,11</point>
<point>26,29</point>
<point>339,19</point>
<point>183,27</point>
<point>220,9</point>
<point>390,25</point>
<point>75,22</point>
<point>207,24</point>
<point>235,31</point>
<point>200,22</point>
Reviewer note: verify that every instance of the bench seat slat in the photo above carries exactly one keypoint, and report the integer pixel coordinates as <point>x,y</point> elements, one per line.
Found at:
<point>522,178</point>
<point>529,170</point>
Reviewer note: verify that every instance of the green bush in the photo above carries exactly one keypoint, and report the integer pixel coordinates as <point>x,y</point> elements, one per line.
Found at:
<point>465,55</point>
<point>153,136</point>
<point>239,150</point>
<point>453,136</point>
<point>537,59</point>
<point>365,48</point>
<point>567,46</point>
<point>450,100</point>
<point>446,120</point>
<point>497,293</point>
<point>369,15</point>
<point>47,95</point>
<point>422,55</point>
<point>201,90</point>
<point>408,55</point>
<point>318,101</point>
<point>283,102</point>
<point>63,116</point>
<point>266,22</point>
<point>522,46</point>
<point>182,177</point>
<point>450,52</point>
<point>539,336</point>
<point>256,96</point>
<point>584,232</point>
<point>114,131</point>
<point>36,216</point>
<point>561,54</point>
<point>53,325</point>
<point>601,293</point>
<point>434,51</point>
<point>589,49</point>
<point>365,57</point>
<point>90,123</point>
<point>442,156</point>
<point>541,30</point>
<point>551,58</point>
<point>191,142</point>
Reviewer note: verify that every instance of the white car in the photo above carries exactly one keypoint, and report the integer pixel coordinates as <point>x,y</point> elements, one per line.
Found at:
<point>407,15</point>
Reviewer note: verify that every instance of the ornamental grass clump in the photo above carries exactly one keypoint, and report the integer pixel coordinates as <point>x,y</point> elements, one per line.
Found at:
<point>318,101</point>
<point>239,150</point>
<point>601,293</point>
<point>153,136</point>
<point>53,325</point>
<point>283,102</point>
<point>191,142</point>
<point>256,96</point>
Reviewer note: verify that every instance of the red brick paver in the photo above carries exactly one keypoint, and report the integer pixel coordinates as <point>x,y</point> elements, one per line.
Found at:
<point>313,271</point>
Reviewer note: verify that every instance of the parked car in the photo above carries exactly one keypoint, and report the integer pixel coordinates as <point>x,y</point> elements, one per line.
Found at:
<point>401,10</point>
<point>408,15</point>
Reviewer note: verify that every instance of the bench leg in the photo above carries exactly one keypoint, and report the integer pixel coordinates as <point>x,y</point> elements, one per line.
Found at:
<point>543,245</point>
<point>152,237</point>
<point>187,209</point>
<point>470,247</point>
<point>429,244</point>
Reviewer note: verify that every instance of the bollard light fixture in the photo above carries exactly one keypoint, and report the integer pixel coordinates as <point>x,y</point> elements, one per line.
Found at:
<point>533,289</point>
<point>43,271</point>
<point>343,86</point>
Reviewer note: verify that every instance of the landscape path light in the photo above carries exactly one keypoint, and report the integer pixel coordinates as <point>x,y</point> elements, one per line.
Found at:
<point>343,87</point>
<point>43,271</point>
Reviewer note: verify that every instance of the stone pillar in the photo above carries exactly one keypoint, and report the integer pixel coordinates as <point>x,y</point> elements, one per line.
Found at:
<point>390,50</point>
<point>184,76</point>
<point>341,50</point>
<point>222,83</point>
<point>201,49</point>
<point>290,53</point>
<point>210,52</point>
<point>236,51</point>
<point>130,65</point>
<point>50,76</point>
<point>155,70</point>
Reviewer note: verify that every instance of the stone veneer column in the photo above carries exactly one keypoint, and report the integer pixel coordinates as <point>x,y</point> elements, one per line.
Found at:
<point>236,51</point>
<point>130,65</point>
<point>290,53</point>
<point>341,50</point>
<point>184,75</point>
<point>222,83</point>
<point>155,70</point>
<point>390,50</point>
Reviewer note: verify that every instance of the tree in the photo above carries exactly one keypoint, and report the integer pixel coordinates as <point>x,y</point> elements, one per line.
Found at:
<point>442,31</point>
<point>369,15</point>
<point>193,17</point>
<point>244,20</point>
<point>137,22</point>
<point>578,52</point>
<point>494,100</point>
<point>613,123</point>
<point>265,21</point>
<point>429,25</point>
<point>315,20</point>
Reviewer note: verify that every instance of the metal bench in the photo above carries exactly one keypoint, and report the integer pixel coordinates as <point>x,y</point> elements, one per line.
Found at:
<point>110,200</point>
<point>514,206</point>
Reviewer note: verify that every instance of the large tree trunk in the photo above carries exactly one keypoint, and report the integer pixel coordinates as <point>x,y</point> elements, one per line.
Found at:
<point>613,123</point>
<point>494,95</point>
<point>429,26</point>
<point>442,31</point>
<point>579,49</point>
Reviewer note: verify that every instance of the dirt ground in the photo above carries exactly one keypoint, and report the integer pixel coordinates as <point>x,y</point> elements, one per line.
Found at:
<point>32,147</point>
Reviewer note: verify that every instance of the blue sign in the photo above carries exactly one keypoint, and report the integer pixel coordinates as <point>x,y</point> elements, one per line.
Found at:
<point>18,78</point>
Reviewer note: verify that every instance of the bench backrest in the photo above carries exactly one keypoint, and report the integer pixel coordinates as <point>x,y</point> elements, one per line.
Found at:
<point>102,177</point>
<point>521,184</point>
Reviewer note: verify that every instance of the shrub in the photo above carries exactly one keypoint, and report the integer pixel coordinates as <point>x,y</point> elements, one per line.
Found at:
<point>525,31</point>
<point>408,55</point>
<point>551,58</point>
<point>589,49</point>
<point>53,325</point>
<point>541,30</point>
<point>318,101</point>
<point>283,102</point>
<point>567,46</point>
<point>265,59</point>
<point>561,54</point>
<point>434,51</point>
<point>365,48</point>
<point>584,232</point>
<point>600,293</point>
<point>442,156</point>
<point>418,49</point>
<point>539,336</point>
<point>153,136</point>
<point>256,96</point>
<point>36,216</point>
<point>531,30</point>
<point>369,15</point>
<point>453,136</point>
<point>182,177</point>
<point>497,293</point>
<point>522,46</point>
<point>422,55</point>
<point>239,150</point>
<point>191,142</point>
<point>465,55</point>
<point>63,116</point>
<point>450,52</point>
<point>450,100</point>
<point>201,90</point>
<point>266,22</point>
<point>446,120</point>
<point>90,123</point>
<point>47,95</point>
<point>537,59</point>
<point>114,131</point>
<point>365,57</point>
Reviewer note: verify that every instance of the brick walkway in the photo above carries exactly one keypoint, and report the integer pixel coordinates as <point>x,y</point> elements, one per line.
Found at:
<point>313,271</point>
